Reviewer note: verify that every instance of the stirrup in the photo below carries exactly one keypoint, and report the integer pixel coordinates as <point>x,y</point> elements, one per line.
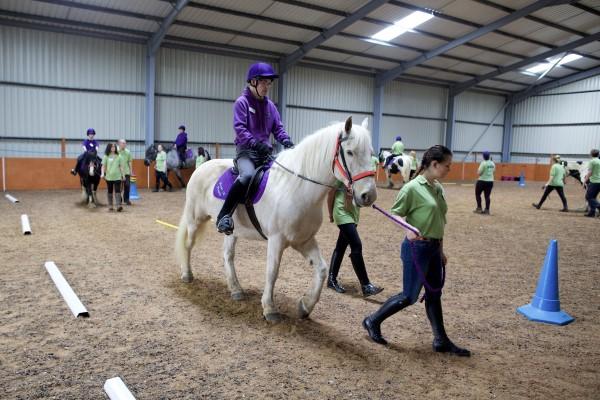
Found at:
<point>225,225</point>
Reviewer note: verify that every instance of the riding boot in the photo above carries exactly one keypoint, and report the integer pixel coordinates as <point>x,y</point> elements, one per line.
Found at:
<point>441,342</point>
<point>372,323</point>
<point>334,269</point>
<point>225,219</point>
<point>358,263</point>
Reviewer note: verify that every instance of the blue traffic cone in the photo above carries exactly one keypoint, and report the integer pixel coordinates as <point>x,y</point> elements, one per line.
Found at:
<point>133,192</point>
<point>522,180</point>
<point>545,304</point>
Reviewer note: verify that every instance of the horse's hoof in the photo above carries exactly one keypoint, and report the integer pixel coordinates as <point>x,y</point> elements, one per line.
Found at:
<point>303,313</point>
<point>237,296</point>
<point>273,317</point>
<point>187,278</point>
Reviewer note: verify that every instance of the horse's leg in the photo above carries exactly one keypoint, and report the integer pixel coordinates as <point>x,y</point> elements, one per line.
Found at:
<point>179,177</point>
<point>232,280</point>
<point>389,178</point>
<point>94,190</point>
<point>310,251</point>
<point>275,249</point>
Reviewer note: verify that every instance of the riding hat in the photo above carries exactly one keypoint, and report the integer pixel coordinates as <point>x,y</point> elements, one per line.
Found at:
<point>261,70</point>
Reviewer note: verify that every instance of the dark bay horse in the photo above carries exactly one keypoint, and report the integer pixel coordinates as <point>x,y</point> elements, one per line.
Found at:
<point>89,177</point>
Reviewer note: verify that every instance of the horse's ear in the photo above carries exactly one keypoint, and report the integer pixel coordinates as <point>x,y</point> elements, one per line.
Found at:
<point>365,123</point>
<point>348,125</point>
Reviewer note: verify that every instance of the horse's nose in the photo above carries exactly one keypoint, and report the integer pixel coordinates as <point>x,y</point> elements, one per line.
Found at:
<point>365,197</point>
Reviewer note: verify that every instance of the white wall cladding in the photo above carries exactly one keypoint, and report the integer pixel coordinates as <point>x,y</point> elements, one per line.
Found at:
<point>556,139</point>
<point>467,134</point>
<point>35,112</point>
<point>592,83</point>
<point>187,73</point>
<point>54,59</point>
<point>416,133</point>
<point>205,120</point>
<point>559,109</point>
<point>302,122</point>
<point>331,90</point>
<point>417,100</point>
<point>478,107</point>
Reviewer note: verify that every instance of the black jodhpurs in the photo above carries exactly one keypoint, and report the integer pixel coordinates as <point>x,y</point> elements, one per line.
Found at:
<point>559,190</point>
<point>484,187</point>
<point>348,237</point>
<point>126,188</point>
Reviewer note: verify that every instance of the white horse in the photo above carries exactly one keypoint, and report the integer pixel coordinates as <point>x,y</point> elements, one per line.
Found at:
<point>394,167</point>
<point>290,211</point>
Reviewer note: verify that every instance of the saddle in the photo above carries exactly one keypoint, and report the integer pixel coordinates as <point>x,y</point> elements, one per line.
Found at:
<point>255,191</point>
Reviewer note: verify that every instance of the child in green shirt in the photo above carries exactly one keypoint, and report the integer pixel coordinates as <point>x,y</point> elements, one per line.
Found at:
<point>422,204</point>
<point>555,182</point>
<point>160,170</point>
<point>113,171</point>
<point>201,158</point>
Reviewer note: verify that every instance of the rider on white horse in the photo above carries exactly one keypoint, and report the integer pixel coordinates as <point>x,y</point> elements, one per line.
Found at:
<point>255,117</point>
<point>397,150</point>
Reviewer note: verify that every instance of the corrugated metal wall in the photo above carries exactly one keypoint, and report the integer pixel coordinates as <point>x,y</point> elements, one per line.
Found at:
<point>565,120</point>
<point>473,113</point>
<point>415,112</point>
<point>198,90</point>
<point>59,85</point>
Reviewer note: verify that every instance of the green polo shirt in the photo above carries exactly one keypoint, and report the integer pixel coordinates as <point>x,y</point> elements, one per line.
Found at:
<point>342,216</point>
<point>413,163</point>
<point>200,160</point>
<point>424,207</point>
<point>375,163</point>
<point>127,159</point>
<point>397,148</point>
<point>161,162</point>
<point>486,171</point>
<point>112,167</point>
<point>594,166</point>
<point>557,173</point>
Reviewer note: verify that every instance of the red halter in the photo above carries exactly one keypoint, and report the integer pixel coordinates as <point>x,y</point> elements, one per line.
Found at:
<point>343,167</point>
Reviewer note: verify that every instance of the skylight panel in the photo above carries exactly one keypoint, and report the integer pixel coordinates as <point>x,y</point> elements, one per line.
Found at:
<point>404,25</point>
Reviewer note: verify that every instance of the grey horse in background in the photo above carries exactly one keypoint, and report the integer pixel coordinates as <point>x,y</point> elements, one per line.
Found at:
<point>172,160</point>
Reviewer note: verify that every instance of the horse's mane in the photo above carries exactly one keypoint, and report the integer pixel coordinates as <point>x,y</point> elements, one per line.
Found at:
<point>316,149</point>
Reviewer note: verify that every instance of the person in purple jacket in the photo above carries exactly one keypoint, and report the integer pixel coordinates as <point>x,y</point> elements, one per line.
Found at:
<point>255,118</point>
<point>181,145</point>
<point>90,145</point>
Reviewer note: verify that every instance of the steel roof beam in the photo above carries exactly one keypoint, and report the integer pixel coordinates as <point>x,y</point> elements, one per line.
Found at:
<point>502,70</point>
<point>156,39</point>
<point>397,71</point>
<point>90,7</point>
<point>587,9</point>
<point>299,53</point>
<point>520,96</point>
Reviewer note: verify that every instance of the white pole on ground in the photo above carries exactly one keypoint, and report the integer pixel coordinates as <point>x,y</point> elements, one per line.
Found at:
<point>116,389</point>
<point>77,308</point>
<point>12,199</point>
<point>3,175</point>
<point>25,224</point>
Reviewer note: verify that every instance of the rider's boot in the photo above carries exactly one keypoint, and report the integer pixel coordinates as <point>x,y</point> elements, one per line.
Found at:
<point>225,219</point>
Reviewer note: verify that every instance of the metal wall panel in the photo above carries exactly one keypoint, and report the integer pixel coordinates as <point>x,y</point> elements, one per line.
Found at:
<point>417,100</point>
<point>54,59</point>
<point>302,122</point>
<point>555,139</point>
<point>195,74</point>
<point>559,109</point>
<point>330,90</point>
<point>592,83</point>
<point>416,133</point>
<point>205,120</point>
<point>478,107</point>
<point>34,112</point>
<point>465,136</point>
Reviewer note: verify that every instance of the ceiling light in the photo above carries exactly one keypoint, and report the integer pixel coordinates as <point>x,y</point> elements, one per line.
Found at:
<point>405,24</point>
<point>541,67</point>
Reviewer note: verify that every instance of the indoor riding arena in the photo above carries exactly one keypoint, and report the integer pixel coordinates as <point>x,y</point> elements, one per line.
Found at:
<point>465,132</point>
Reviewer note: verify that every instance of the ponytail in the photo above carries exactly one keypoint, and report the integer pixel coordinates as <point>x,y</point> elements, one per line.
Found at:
<point>437,153</point>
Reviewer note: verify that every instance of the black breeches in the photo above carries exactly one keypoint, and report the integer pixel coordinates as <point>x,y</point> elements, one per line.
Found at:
<point>485,188</point>
<point>559,190</point>
<point>348,237</point>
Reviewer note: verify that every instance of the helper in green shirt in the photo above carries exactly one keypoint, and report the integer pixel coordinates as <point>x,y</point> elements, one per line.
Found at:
<point>345,214</point>
<point>555,182</point>
<point>112,171</point>
<point>201,157</point>
<point>413,164</point>
<point>422,204</point>
<point>127,162</point>
<point>485,183</point>
<point>160,170</point>
<point>593,186</point>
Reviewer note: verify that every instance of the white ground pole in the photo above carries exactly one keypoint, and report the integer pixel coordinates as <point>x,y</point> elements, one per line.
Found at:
<point>25,224</point>
<point>116,389</point>
<point>77,308</point>
<point>12,199</point>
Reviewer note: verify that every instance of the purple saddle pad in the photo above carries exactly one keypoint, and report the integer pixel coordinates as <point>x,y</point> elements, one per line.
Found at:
<point>189,153</point>
<point>226,180</point>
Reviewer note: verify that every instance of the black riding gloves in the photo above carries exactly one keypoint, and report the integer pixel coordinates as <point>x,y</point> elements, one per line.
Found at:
<point>262,148</point>
<point>288,144</point>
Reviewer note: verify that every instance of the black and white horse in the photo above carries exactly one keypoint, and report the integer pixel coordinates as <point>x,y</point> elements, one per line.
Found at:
<point>89,177</point>
<point>400,164</point>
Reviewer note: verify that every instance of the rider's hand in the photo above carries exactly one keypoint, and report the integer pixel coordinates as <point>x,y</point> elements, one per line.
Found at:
<point>262,148</point>
<point>288,144</point>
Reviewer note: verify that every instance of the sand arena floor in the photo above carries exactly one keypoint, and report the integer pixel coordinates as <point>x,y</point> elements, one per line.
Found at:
<point>169,340</point>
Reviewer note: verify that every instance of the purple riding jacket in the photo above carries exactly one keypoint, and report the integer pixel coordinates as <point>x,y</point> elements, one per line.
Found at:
<point>254,120</point>
<point>181,140</point>
<point>90,145</point>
